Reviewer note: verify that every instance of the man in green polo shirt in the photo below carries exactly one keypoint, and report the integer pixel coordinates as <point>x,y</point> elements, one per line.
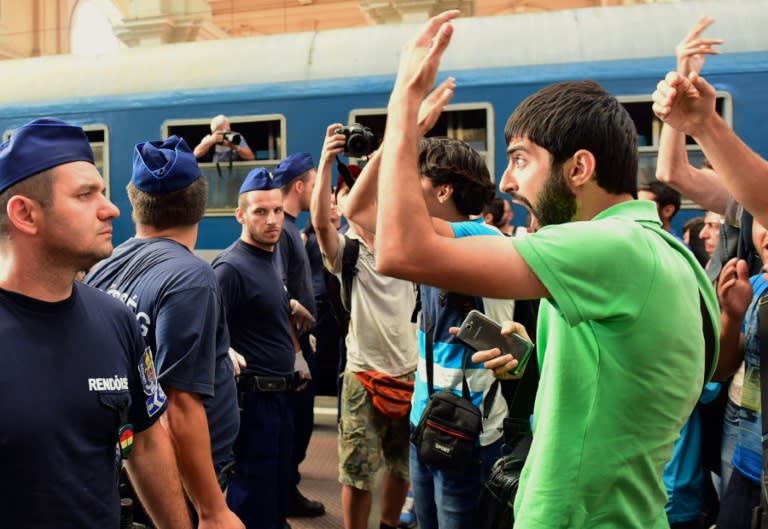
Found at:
<point>620,339</point>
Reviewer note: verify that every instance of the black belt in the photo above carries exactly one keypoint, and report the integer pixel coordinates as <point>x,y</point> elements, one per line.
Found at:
<point>260,384</point>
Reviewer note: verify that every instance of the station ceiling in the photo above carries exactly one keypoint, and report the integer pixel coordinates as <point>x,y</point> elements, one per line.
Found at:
<point>240,18</point>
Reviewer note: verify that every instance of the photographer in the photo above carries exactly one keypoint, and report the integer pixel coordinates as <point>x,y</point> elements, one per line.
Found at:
<point>229,146</point>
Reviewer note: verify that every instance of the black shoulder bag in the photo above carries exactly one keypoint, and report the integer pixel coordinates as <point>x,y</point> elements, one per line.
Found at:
<point>447,436</point>
<point>495,507</point>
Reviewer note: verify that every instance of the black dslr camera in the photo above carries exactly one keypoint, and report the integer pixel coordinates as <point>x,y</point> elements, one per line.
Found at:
<point>231,137</point>
<point>360,140</point>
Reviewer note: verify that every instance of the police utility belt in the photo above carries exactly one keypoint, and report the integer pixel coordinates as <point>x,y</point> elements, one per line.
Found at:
<point>264,384</point>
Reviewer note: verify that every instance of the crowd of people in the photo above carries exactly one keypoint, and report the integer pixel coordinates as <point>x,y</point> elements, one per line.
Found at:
<point>198,379</point>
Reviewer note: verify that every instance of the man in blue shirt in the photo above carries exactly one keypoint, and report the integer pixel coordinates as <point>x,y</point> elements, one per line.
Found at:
<point>456,184</point>
<point>77,380</point>
<point>740,298</point>
<point>164,283</point>
<point>258,314</point>
<point>296,177</point>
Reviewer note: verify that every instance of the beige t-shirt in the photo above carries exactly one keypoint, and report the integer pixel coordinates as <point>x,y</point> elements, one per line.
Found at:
<point>381,336</point>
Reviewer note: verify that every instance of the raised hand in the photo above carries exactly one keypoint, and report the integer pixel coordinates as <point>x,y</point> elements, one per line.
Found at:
<point>734,289</point>
<point>333,144</point>
<point>693,49</point>
<point>420,57</point>
<point>433,105</point>
<point>685,103</point>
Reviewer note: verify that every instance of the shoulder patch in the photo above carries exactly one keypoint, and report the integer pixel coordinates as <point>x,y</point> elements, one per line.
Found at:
<point>147,372</point>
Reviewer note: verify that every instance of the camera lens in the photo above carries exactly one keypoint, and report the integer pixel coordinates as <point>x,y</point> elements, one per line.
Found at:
<point>358,145</point>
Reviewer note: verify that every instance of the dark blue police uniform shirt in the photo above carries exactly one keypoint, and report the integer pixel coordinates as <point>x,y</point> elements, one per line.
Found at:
<point>176,299</point>
<point>293,264</point>
<point>66,371</point>
<point>257,309</point>
<point>316,266</point>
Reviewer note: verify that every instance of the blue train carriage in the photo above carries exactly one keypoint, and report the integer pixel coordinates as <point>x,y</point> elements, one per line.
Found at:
<point>281,91</point>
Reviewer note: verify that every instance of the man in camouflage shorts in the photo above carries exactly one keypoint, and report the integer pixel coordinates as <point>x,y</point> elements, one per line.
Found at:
<point>367,436</point>
<point>381,340</point>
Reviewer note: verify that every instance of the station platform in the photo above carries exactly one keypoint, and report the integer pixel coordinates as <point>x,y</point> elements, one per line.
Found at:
<point>320,473</point>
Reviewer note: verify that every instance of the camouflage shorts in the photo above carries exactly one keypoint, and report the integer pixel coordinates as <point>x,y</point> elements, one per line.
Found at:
<point>366,437</point>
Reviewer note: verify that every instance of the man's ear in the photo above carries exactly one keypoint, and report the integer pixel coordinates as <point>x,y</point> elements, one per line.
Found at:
<point>299,186</point>
<point>240,215</point>
<point>581,168</point>
<point>24,214</point>
<point>667,211</point>
<point>444,192</point>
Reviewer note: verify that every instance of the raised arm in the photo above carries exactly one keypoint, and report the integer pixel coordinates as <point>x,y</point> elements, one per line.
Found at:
<point>688,105</point>
<point>361,206</point>
<point>320,204</point>
<point>243,150</point>
<point>202,148</point>
<point>700,185</point>
<point>408,246</point>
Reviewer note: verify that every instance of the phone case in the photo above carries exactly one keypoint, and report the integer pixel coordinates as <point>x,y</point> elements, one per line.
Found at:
<point>480,332</point>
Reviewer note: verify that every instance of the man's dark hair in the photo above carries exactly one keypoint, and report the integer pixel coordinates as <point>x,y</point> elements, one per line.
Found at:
<point>449,161</point>
<point>38,187</point>
<point>183,207</point>
<point>565,117</point>
<point>665,195</point>
<point>696,243</point>
<point>496,209</point>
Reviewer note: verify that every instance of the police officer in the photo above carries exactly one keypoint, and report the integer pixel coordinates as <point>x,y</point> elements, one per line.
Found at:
<point>296,176</point>
<point>157,275</point>
<point>77,381</point>
<point>258,309</point>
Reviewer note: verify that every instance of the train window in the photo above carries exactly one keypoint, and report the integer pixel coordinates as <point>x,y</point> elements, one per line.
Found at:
<point>640,108</point>
<point>265,136</point>
<point>98,137</point>
<point>470,122</point>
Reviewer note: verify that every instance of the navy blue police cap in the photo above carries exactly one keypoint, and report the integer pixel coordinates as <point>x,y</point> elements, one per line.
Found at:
<point>39,145</point>
<point>292,166</point>
<point>163,166</point>
<point>259,179</point>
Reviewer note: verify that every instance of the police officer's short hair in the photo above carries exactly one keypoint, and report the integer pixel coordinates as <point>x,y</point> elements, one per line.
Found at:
<point>183,207</point>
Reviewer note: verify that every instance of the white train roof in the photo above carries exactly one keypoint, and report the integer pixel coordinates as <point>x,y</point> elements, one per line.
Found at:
<point>592,34</point>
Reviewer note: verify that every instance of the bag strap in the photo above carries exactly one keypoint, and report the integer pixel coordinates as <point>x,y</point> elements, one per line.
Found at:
<point>429,339</point>
<point>708,328</point>
<point>348,270</point>
<point>517,424</point>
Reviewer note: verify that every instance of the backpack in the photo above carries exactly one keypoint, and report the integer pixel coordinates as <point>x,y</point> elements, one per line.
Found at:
<point>340,293</point>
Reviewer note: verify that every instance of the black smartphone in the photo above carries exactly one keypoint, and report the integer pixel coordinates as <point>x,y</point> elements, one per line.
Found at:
<point>480,332</point>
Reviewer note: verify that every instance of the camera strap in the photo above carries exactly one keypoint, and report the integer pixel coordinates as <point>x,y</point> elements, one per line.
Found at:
<point>218,164</point>
<point>344,173</point>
